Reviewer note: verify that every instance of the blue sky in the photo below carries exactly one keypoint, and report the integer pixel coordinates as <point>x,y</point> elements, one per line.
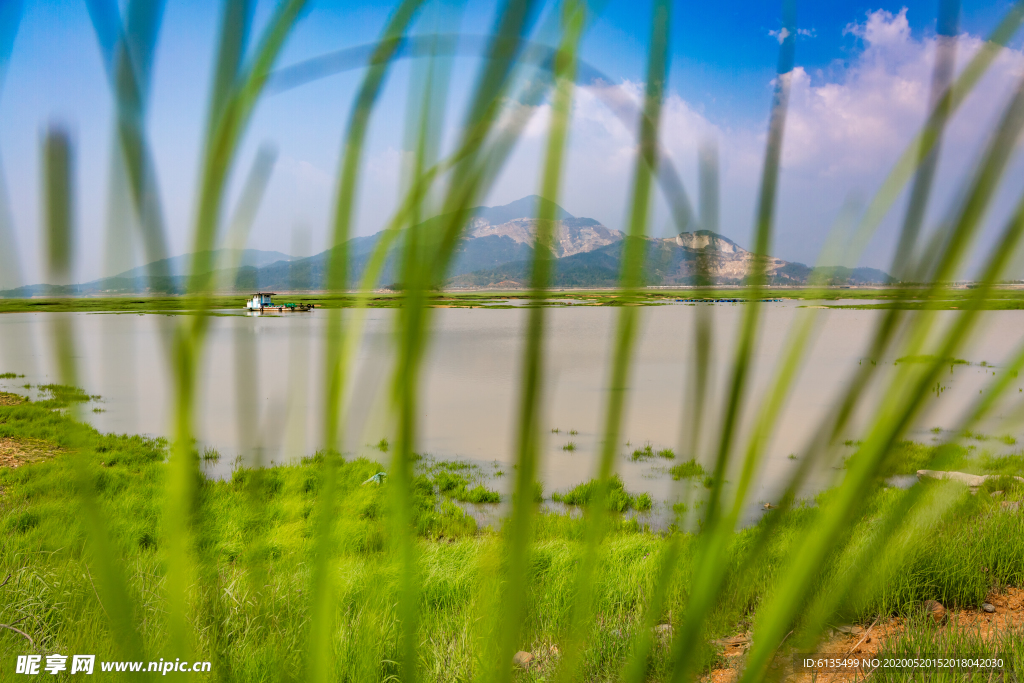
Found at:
<point>862,67</point>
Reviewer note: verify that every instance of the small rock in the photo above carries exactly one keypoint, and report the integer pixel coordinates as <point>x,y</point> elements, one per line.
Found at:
<point>851,630</point>
<point>1010,505</point>
<point>935,609</point>
<point>522,659</point>
<point>554,651</point>
<point>996,493</point>
<point>663,630</point>
<point>988,607</point>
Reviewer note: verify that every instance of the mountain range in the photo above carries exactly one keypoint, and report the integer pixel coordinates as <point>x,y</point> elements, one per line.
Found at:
<point>497,251</point>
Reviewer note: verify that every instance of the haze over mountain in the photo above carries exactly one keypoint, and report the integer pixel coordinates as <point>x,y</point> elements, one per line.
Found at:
<point>179,265</point>
<point>496,252</point>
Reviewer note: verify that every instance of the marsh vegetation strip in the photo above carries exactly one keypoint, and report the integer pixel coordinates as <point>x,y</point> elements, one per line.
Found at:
<point>1006,298</point>
<point>470,384</point>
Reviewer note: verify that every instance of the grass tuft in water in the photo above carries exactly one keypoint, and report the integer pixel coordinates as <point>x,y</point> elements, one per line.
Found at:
<point>687,470</point>
<point>619,499</point>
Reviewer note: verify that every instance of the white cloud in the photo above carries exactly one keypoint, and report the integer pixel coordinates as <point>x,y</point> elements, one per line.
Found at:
<point>783,33</point>
<point>844,131</point>
<point>780,35</point>
<point>882,28</point>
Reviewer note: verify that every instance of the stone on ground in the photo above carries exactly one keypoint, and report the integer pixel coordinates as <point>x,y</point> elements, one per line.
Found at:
<point>935,609</point>
<point>522,659</point>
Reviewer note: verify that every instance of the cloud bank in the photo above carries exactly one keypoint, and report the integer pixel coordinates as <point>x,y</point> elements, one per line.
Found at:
<point>846,126</point>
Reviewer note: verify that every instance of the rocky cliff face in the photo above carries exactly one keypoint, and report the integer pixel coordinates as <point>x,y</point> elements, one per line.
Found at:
<point>722,259</point>
<point>572,235</point>
<point>702,239</point>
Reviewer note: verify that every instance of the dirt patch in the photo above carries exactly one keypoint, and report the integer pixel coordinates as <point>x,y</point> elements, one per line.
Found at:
<point>869,639</point>
<point>8,399</point>
<point>18,452</point>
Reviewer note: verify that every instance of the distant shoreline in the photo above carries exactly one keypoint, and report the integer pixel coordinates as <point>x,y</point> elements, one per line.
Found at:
<point>910,297</point>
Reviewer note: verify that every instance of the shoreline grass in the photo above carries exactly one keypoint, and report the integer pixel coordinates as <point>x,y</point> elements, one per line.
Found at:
<point>258,524</point>
<point>904,298</point>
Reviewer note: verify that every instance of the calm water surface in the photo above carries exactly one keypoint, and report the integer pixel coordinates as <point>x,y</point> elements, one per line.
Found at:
<point>262,385</point>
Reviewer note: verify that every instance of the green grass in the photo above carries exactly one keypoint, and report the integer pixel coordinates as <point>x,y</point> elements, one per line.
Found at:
<point>644,453</point>
<point>920,636</point>
<point>569,447</point>
<point>647,452</point>
<point>65,394</point>
<point>10,375</point>
<point>907,457</point>
<point>450,484</point>
<point>619,499</point>
<point>903,298</point>
<point>931,359</point>
<point>986,463</point>
<point>259,524</point>
<point>687,470</point>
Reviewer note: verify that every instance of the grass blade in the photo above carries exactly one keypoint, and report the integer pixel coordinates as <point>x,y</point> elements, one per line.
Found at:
<point>528,439</point>
<point>631,277</point>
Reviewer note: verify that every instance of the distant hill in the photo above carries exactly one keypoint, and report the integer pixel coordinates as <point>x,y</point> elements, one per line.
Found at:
<point>690,258</point>
<point>177,266</point>
<point>496,251</point>
<point>168,275</point>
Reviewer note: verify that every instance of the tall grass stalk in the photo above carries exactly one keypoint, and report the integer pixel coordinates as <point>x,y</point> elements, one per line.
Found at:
<point>529,436</point>
<point>631,275</point>
<point>57,184</point>
<point>10,267</point>
<point>336,342</point>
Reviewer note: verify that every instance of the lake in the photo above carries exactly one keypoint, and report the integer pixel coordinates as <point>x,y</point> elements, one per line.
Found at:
<point>261,383</point>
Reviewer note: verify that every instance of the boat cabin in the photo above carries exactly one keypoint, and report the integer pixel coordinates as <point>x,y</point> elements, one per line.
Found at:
<point>259,300</point>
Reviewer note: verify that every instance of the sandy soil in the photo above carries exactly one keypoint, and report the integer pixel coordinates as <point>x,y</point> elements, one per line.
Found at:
<point>17,452</point>
<point>868,639</point>
<point>7,399</point>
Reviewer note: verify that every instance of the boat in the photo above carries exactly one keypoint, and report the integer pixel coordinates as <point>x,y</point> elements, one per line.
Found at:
<point>263,301</point>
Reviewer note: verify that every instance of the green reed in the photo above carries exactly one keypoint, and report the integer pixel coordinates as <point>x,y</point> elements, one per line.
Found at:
<point>439,191</point>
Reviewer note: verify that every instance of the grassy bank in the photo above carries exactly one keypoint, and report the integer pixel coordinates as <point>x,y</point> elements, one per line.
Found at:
<point>250,602</point>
